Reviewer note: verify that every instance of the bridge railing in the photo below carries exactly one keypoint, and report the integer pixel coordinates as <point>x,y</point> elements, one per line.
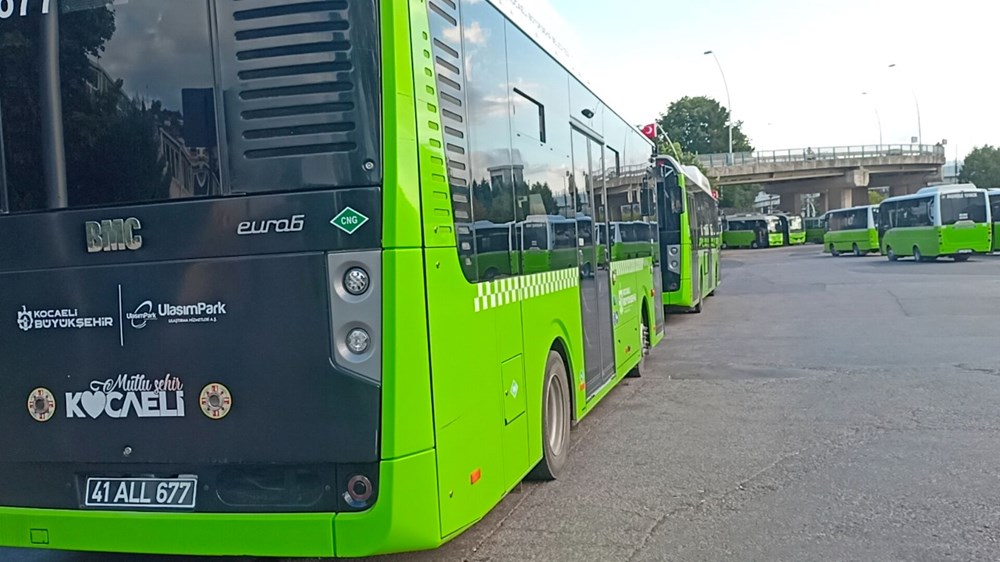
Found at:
<point>819,153</point>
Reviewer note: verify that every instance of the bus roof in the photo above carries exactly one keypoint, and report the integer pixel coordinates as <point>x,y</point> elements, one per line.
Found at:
<point>934,190</point>
<point>849,209</point>
<point>695,177</point>
<point>749,217</point>
<point>948,187</point>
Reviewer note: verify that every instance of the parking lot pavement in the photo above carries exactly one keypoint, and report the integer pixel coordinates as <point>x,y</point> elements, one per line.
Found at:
<point>818,409</point>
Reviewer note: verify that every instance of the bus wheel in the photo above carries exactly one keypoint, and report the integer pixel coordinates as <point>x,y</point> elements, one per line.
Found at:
<point>961,257</point>
<point>725,246</point>
<point>917,256</point>
<point>833,251</point>
<point>647,345</point>
<point>754,245</point>
<point>555,420</point>
<point>856,250</point>
<point>891,254</point>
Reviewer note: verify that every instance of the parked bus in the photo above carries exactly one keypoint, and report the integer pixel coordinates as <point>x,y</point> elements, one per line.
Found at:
<point>995,213</point>
<point>852,230</point>
<point>793,231</point>
<point>690,235</point>
<point>815,229</point>
<point>549,242</point>
<point>250,319</point>
<point>752,231</point>
<point>951,221</point>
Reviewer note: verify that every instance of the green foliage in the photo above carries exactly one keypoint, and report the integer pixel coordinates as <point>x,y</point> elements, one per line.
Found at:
<point>738,197</point>
<point>875,197</point>
<point>982,167</point>
<point>699,125</point>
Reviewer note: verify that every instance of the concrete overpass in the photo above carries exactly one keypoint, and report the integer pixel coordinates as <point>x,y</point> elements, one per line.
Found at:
<point>841,175</point>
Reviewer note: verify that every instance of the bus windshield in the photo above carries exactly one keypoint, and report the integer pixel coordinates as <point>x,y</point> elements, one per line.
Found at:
<point>965,206</point>
<point>128,104</point>
<point>795,224</point>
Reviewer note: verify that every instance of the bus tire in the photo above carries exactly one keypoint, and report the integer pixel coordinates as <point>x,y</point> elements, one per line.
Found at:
<point>833,250</point>
<point>725,246</point>
<point>556,419</point>
<point>891,254</point>
<point>856,250</point>
<point>754,245</point>
<point>646,341</point>
<point>961,257</point>
<point>696,309</point>
<point>917,256</point>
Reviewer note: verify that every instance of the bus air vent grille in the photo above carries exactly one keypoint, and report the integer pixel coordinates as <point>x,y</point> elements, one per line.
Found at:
<point>296,78</point>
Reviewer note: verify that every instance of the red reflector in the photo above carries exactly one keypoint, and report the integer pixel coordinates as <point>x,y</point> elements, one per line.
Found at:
<point>475,476</point>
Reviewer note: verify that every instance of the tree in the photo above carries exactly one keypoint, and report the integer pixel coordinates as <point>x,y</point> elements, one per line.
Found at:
<point>982,167</point>
<point>875,197</point>
<point>698,124</point>
<point>738,197</point>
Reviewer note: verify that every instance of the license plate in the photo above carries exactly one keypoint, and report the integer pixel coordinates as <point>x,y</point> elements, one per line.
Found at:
<point>965,251</point>
<point>143,493</point>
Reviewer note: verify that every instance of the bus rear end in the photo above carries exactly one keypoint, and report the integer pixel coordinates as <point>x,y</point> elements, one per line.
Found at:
<point>191,309</point>
<point>966,225</point>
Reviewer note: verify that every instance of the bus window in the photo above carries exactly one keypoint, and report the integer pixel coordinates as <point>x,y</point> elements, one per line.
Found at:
<point>535,236</point>
<point>968,206</point>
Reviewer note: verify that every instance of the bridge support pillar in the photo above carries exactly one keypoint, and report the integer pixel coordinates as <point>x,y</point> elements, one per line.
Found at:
<point>859,196</point>
<point>904,189</point>
<point>791,203</point>
<point>839,198</point>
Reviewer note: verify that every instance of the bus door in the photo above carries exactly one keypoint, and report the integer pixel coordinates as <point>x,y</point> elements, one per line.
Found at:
<point>760,232</point>
<point>595,289</point>
<point>694,230</point>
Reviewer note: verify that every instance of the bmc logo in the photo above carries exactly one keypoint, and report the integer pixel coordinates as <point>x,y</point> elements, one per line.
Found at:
<point>113,235</point>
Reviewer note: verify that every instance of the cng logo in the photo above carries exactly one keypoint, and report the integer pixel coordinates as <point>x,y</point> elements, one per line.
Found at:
<point>113,235</point>
<point>349,220</point>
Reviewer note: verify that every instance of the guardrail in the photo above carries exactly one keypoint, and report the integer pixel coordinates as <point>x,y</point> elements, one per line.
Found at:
<point>820,153</point>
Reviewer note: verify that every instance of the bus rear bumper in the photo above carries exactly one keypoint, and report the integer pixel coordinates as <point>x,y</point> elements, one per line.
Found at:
<point>404,518</point>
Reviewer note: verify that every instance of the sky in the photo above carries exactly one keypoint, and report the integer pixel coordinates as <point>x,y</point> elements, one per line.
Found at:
<point>796,69</point>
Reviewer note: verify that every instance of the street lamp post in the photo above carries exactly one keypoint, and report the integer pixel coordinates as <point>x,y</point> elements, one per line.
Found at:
<point>916,102</point>
<point>729,103</point>
<point>878,118</point>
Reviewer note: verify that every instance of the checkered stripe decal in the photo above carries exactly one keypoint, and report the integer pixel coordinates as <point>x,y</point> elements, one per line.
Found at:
<point>628,266</point>
<point>494,294</point>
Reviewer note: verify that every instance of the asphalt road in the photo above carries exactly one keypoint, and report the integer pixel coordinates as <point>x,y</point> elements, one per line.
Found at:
<point>818,409</point>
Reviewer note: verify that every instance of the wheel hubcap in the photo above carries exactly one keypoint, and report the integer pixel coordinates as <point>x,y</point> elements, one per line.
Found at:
<point>557,411</point>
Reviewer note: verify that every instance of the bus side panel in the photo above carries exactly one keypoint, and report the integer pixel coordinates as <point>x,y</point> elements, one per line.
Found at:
<point>402,188</point>
<point>468,390</point>
<point>738,238</point>
<point>903,239</point>
<point>407,418</point>
<point>996,235</point>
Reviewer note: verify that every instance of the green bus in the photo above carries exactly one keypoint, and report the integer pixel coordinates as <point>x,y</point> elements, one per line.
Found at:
<point>496,248</point>
<point>548,242</point>
<point>256,258</point>
<point>793,230</point>
<point>941,221</point>
<point>853,230</point>
<point>995,214</point>
<point>752,231</point>
<point>690,235</point>
<point>815,229</point>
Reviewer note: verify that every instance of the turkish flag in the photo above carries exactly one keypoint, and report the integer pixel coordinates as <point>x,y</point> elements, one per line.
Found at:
<point>649,131</point>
